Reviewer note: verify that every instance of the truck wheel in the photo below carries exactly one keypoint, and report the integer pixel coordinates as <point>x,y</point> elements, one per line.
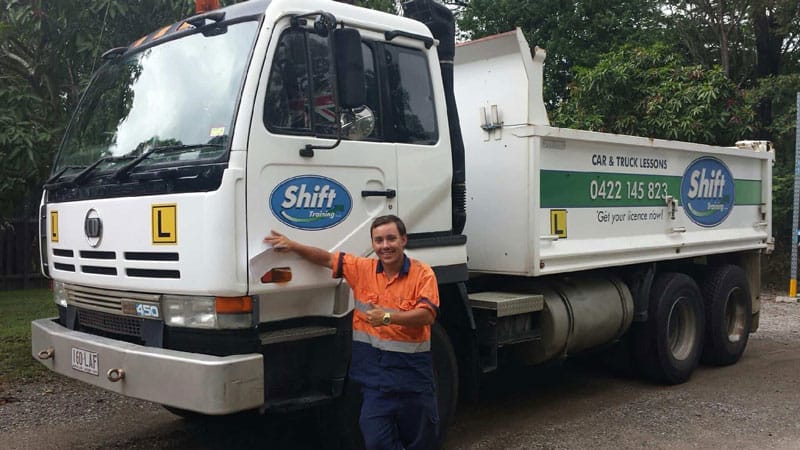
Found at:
<point>728,315</point>
<point>668,346</point>
<point>445,371</point>
<point>338,421</point>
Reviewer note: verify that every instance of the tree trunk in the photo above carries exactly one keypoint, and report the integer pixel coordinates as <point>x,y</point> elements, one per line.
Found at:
<point>768,59</point>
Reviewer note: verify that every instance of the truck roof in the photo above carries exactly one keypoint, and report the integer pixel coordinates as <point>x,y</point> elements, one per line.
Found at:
<point>348,14</point>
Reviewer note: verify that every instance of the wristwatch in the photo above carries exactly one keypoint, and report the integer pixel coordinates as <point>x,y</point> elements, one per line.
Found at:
<point>387,318</point>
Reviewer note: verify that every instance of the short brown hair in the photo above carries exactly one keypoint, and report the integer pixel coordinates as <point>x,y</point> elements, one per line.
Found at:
<point>389,218</point>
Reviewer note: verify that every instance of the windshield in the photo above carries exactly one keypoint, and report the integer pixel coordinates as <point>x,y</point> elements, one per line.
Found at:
<point>171,103</point>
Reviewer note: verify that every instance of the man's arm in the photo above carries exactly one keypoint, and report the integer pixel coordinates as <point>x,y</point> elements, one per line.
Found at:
<point>415,318</point>
<point>311,254</point>
<point>424,314</point>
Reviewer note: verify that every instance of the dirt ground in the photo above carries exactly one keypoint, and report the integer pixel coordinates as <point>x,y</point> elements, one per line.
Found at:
<point>754,404</point>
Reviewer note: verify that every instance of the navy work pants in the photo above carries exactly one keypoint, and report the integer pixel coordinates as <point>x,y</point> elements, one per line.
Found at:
<point>399,420</point>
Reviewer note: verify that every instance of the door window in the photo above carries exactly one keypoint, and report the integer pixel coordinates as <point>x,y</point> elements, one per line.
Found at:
<point>299,94</point>
<point>410,96</point>
<point>300,98</point>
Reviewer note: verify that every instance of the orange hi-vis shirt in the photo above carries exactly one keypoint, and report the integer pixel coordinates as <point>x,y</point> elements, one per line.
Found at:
<point>414,287</point>
<point>391,358</point>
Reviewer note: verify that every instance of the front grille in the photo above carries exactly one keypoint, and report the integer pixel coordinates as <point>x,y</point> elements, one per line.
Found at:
<point>151,256</point>
<point>104,300</point>
<point>127,326</point>
<point>158,265</point>
<point>64,267</point>
<point>91,254</point>
<point>152,273</point>
<point>99,270</point>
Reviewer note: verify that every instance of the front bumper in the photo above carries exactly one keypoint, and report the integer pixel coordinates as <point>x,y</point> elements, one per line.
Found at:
<point>206,384</point>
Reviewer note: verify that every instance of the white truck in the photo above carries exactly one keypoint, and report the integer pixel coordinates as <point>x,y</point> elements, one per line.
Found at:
<point>313,117</point>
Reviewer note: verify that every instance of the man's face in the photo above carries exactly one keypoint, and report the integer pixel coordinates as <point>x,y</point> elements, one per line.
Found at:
<point>388,244</point>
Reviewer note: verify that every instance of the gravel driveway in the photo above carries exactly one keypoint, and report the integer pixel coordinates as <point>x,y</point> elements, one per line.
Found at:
<point>754,404</point>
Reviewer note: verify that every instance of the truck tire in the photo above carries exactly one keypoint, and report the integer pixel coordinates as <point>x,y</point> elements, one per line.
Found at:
<point>338,422</point>
<point>668,346</point>
<point>445,372</point>
<point>728,315</point>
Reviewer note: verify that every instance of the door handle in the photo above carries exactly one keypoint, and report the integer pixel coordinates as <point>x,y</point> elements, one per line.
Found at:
<point>389,193</point>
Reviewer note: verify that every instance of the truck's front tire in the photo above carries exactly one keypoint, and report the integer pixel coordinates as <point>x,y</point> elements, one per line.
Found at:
<point>728,315</point>
<point>445,371</point>
<point>668,346</point>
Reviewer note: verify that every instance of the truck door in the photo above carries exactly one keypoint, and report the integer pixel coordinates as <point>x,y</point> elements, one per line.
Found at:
<point>328,199</point>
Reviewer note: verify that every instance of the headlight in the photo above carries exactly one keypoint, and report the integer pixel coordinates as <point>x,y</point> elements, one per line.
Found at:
<point>59,294</point>
<point>207,312</point>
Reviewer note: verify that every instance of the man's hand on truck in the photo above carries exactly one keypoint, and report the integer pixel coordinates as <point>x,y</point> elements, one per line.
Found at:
<point>315,255</point>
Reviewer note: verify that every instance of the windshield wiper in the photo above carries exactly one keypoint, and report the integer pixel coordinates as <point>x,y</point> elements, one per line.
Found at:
<point>124,170</point>
<point>83,175</point>
<point>55,181</point>
<point>50,182</point>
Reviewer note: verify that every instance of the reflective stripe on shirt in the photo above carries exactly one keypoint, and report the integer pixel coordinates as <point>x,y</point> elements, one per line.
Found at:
<point>389,345</point>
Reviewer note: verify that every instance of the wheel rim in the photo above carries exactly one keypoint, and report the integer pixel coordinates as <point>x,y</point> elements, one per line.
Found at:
<point>735,315</point>
<point>682,329</point>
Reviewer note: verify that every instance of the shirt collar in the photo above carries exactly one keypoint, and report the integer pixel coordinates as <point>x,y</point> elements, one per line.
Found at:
<point>403,270</point>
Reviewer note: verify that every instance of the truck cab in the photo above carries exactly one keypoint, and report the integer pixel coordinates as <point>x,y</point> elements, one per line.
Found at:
<point>187,148</point>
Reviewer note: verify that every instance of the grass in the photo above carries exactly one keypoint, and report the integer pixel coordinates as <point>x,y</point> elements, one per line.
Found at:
<point>17,310</point>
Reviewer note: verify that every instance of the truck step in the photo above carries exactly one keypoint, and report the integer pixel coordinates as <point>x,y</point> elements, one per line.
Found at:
<point>507,303</point>
<point>295,334</point>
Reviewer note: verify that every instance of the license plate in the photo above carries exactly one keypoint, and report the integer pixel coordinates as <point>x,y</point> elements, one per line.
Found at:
<point>85,361</point>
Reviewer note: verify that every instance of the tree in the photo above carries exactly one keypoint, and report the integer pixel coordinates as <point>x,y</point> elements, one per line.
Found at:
<point>779,95</point>
<point>653,91</point>
<point>573,33</point>
<point>48,51</point>
<point>380,5</point>
<point>713,31</point>
<point>776,27</point>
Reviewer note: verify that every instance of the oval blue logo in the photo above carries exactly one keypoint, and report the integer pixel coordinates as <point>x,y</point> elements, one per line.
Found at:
<point>707,191</point>
<point>310,202</point>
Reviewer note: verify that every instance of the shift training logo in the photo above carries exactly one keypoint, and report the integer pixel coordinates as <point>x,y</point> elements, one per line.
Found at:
<point>707,191</point>
<point>310,202</point>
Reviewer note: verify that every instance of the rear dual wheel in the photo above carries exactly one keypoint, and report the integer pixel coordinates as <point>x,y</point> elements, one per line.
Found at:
<point>668,346</point>
<point>728,315</point>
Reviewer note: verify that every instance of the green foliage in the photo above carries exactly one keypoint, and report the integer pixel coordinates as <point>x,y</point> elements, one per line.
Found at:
<point>715,33</point>
<point>17,310</point>
<point>779,94</point>
<point>48,51</point>
<point>380,5</point>
<point>573,33</point>
<point>652,91</point>
<point>749,38</point>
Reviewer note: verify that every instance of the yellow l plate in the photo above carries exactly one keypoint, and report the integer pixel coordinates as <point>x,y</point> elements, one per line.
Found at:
<point>53,226</point>
<point>165,224</point>
<point>558,222</point>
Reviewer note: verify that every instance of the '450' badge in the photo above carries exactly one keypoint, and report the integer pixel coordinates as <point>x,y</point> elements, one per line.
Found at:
<point>707,191</point>
<point>310,202</point>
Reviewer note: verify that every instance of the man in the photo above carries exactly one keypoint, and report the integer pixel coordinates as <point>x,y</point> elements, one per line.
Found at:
<point>396,301</point>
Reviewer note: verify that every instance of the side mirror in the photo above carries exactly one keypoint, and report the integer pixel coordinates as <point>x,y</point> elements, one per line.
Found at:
<point>357,123</point>
<point>349,68</point>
